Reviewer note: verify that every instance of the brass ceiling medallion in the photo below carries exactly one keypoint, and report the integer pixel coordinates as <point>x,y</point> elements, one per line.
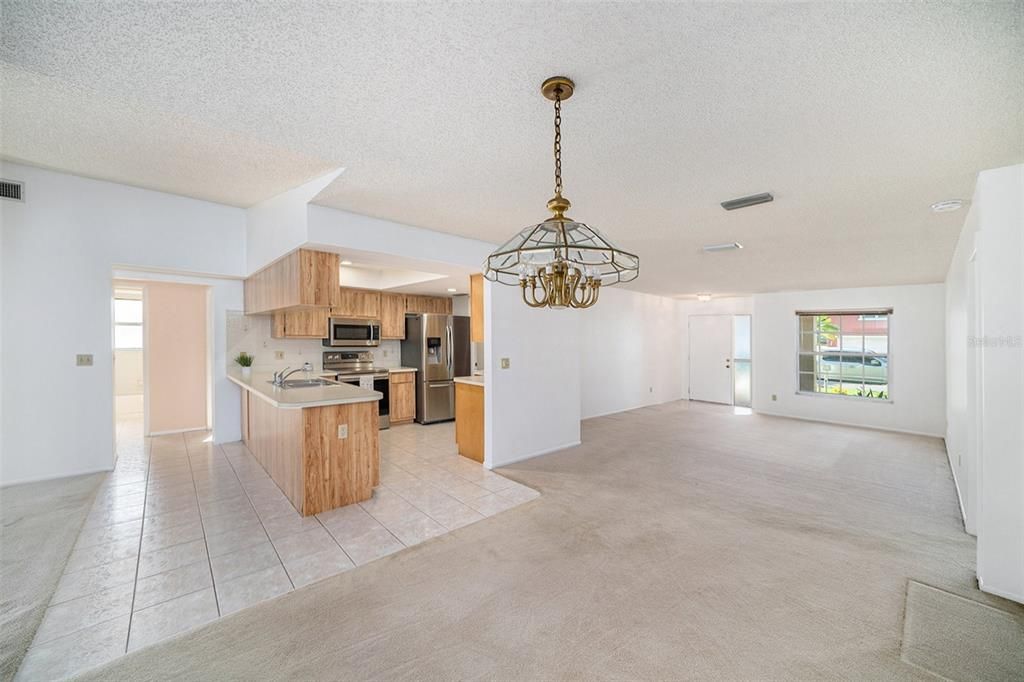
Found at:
<point>569,260</point>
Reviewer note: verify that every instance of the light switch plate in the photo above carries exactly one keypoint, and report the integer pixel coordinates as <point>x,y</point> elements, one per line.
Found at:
<point>342,431</point>
<point>83,360</point>
<point>279,355</point>
<point>504,363</point>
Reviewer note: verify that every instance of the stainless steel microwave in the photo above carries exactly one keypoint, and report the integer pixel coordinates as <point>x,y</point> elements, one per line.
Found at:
<point>343,331</point>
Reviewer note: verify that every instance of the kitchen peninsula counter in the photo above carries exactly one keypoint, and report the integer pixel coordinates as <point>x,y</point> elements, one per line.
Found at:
<point>319,444</point>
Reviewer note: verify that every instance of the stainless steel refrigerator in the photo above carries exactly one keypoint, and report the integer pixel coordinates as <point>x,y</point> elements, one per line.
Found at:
<point>438,347</point>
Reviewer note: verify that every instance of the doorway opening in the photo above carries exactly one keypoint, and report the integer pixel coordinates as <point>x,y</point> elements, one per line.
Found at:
<point>129,364</point>
<point>721,363</point>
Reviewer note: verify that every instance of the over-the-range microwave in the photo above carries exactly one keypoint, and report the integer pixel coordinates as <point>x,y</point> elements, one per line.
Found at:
<point>343,331</point>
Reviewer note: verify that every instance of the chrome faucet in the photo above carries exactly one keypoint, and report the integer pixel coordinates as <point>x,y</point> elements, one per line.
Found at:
<point>279,377</point>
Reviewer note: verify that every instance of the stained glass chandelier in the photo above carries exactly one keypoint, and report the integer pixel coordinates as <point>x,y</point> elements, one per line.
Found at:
<point>560,263</point>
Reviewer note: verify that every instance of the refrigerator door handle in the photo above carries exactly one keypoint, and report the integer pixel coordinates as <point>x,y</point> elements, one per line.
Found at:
<point>451,350</point>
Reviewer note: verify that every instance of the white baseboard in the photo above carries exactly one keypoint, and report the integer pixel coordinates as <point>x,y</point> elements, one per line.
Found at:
<point>630,409</point>
<point>174,431</point>
<point>839,423</point>
<point>956,484</point>
<point>534,454</point>
<point>54,477</point>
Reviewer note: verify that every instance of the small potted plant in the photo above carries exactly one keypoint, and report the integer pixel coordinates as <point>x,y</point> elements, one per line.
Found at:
<point>244,361</point>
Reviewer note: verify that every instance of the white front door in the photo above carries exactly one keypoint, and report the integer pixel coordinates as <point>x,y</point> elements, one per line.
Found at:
<point>711,358</point>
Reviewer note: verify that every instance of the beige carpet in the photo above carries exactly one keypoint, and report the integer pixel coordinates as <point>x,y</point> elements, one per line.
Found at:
<point>40,522</point>
<point>679,542</point>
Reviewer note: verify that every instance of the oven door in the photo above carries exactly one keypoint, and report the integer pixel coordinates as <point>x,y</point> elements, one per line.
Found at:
<point>347,332</point>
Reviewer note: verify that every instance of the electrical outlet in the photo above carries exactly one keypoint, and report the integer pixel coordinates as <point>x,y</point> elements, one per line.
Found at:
<point>84,360</point>
<point>342,431</point>
<point>650,389</point>
<point>505,363</point>
<point>774,397</point>
<point>279,355</point>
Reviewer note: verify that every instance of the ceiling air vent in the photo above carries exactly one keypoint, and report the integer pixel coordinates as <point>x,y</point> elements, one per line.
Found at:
<point>728,246</point>
<point>743,202</point>
<point>13,191</point>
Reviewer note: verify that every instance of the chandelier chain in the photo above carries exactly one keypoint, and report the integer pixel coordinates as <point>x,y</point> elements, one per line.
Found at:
<point>558,142</point>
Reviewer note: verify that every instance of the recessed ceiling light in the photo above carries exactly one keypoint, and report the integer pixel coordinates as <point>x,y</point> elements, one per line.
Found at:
<point>704,297</point>
<point>947,206</point>
<point>451,290</point>
<point>730,246</point>
<point>346,262</point>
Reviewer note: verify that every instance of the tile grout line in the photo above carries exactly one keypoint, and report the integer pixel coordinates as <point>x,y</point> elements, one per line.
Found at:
<point>248,497</point>
<point>202,523</point>
<point>142,531</point>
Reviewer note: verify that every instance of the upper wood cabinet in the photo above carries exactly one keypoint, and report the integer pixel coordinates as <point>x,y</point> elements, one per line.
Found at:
<point>357,303</point>
<point>301,323</point>
<point>392,316</point>
<point>302,278</point>
<point>428,304</point>
<point>476,308</point>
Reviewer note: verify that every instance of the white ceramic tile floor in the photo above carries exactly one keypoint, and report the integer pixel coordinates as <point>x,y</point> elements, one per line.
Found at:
<point>185,531</point>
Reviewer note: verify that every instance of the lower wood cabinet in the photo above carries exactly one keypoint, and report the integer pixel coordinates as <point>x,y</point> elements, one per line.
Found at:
<point>302,323</point>
<point>403,397</point>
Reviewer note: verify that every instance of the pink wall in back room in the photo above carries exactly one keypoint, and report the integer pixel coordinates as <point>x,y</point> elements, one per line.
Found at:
<point>176,335</point>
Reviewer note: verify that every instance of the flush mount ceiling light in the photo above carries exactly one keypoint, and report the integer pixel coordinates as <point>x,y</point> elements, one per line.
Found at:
<point>715,248</point>
<point>451,290</point>
<point>703,298</point>
<point>947,206</point>
<point>569,260</point>
<point>346,262</point>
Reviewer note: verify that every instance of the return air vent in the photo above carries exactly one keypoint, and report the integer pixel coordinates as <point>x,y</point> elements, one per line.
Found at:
<point>743,202</point>
<point>12,191</point>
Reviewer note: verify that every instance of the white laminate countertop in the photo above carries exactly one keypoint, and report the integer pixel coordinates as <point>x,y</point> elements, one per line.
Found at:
<point>472,381</point>
<point>297,398</point>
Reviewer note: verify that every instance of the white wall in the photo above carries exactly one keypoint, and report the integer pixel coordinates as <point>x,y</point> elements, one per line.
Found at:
<point>533,407</point>
<point>999,202</point>
<point>278,225</point>
<point>632,352</point>
<point>960,370</point>
<point>61,247</point>
<point>916,368</point>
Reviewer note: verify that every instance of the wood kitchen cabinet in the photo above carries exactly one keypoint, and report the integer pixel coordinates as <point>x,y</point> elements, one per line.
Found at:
<point>476,308</point>
<point>357,303</point>
<point>402,397</point>
<point>303,323</point>
<point>392,316</point>
<point>303,278</point>
<point>428,304</point>
<point>469,420</point>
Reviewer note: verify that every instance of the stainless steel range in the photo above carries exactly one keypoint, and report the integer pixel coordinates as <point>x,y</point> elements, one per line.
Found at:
<point>356,368</point>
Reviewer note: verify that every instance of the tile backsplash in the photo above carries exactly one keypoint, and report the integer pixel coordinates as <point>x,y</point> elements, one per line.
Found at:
<point>251,334</point>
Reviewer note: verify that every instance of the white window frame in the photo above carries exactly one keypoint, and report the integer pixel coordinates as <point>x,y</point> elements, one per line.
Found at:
<point>838,312</point>
<point>127,324</point>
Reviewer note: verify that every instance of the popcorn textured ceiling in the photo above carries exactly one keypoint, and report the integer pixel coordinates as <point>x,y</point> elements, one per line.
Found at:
<point>856,116</point>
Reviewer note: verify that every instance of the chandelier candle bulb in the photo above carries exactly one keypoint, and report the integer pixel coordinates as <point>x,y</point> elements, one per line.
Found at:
<point>568,259</point>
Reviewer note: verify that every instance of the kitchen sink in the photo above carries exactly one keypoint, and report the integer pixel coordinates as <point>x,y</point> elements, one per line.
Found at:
<point>307,383</point>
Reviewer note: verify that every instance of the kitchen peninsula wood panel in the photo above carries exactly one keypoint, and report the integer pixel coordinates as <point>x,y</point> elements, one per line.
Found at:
<point>321,446</point>
<point>469,420</point>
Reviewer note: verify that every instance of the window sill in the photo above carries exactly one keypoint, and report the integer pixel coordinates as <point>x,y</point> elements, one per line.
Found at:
<point>883,401</point>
